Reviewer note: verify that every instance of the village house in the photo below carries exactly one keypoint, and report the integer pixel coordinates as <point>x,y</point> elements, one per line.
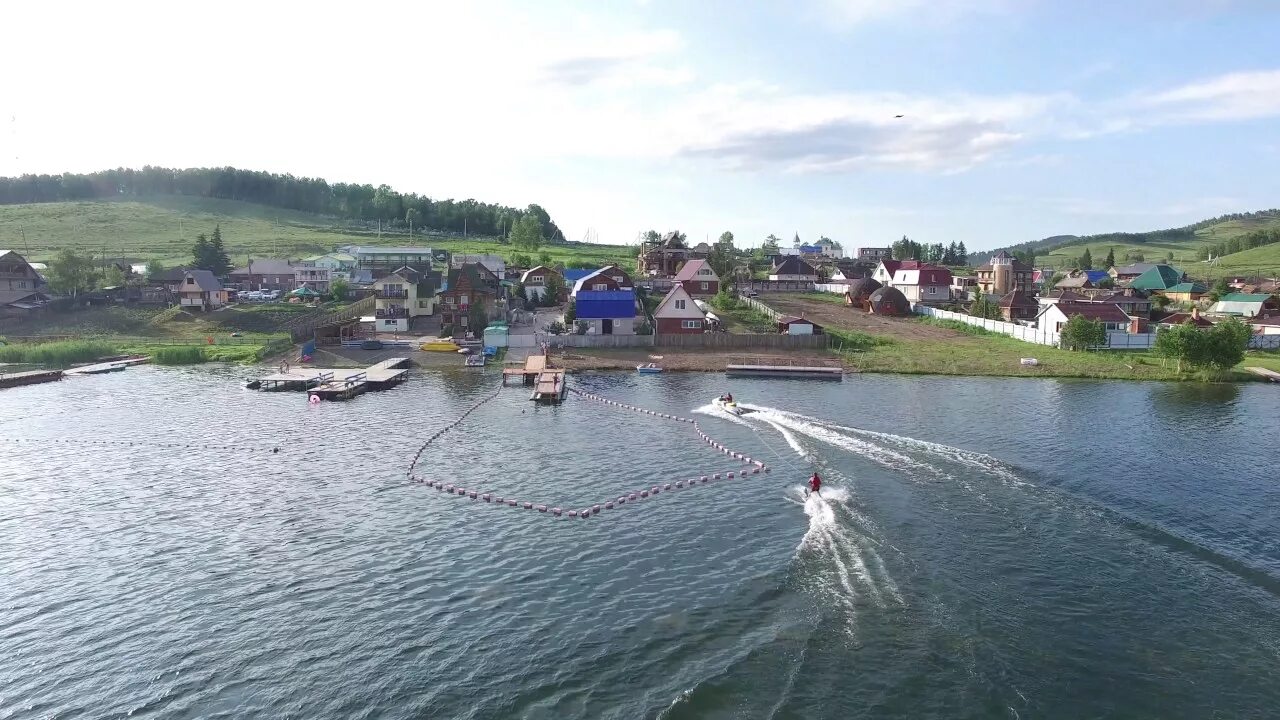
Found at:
<point>873,254</point>
<point>1003,274</point>
<point>340,265</point>
<point>315,278</point>
<point>922,282</point>
<point>698,278</point>
<point>468,286</point>
<point>606,312</point>
<point>22,290</point>
<point>1185,318</point>
<point>383,260</point>
<point>1018,305</point>
<point>1245,304</point>
<point>1186,292</point>
<point>1157,278</point>
<point>535,279</point>
<point>200,290</point>
<point>1266,325</point>
<point>664,258</point>
<point>1129,273</point>
<point>610,277</point>
<point>265,274</point>
<point>1074,281</point>
<point>1054,317</point>
<point>885,270</point>
<point>962,286</point>
<point>493,263</point>
<point>401,296</point>
<point>679,314</point>
<point>793,269</point>
<point>792,325</point>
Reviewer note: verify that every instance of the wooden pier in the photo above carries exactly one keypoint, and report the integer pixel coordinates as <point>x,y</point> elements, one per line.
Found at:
<point>109,366</point>
<point>1271,375</point>
<point>338,383</point>
<point>28,377</point>
<point>548,383</point>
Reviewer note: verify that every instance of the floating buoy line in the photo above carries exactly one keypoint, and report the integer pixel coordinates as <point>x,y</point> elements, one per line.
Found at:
<point>143,443</point>
<point>752,467</point>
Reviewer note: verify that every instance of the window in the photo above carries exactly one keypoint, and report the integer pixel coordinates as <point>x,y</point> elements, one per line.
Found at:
<point>462,299</point>
<point>424,303</point>
<point>618,279</point>
<point>705,285</point>
<point>679,304</point>
<point>448,300</point>
<point>462,320</point>
<point>600,287</point>
<point>535,280</point>
<point>692,324</point>
<point>191,280</point>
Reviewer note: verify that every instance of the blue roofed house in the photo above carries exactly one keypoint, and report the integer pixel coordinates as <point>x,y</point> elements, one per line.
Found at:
<point>1097,276</point>
<point>606,312</point>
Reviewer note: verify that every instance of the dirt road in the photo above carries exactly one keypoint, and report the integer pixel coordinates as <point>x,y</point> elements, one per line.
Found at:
<point>842,317</point>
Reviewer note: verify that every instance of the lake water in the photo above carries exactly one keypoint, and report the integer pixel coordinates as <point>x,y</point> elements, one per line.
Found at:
<point>988,548</point>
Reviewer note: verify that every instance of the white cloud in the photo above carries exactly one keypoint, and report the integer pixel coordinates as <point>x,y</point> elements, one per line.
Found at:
<point>849,13</point>
<point>1235,96</point>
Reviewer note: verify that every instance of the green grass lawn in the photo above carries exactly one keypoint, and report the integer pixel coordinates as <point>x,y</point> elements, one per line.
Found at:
<point>164,228</point>
<point>1269,359</point>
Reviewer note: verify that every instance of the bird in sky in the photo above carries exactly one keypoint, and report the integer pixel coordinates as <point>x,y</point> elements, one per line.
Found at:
<point>897,116</point>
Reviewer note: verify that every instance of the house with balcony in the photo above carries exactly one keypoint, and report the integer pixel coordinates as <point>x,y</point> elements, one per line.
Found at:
<point>200,290</point>
<point>340,265</point>
<point>316,278</point>
<point>401,296</point>
<point>383,260</point>
<point>469,286</point>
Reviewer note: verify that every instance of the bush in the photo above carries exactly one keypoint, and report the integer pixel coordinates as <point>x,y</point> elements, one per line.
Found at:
<point>446,331</point>
<point>644,328</point>
<point>582,327</point>
<point>1081,333</point>
<point>179,355</point>
<point>60,354</point>
<point>556,328</point>
<point>571,311</point>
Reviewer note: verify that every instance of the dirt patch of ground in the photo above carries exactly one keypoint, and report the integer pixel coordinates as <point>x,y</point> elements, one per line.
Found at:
<point>578,359</point>
<point>843,317</point>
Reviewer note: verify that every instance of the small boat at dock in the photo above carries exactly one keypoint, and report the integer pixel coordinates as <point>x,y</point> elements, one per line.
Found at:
<point>649,368</point>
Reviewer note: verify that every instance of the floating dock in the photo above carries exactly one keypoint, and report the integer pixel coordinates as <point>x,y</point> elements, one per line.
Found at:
<point>29,377</point>
<point>533,366</point>
<point>549,388</point>
<point>337,383</point>
<point>109,366</point>
<point>785,371</point>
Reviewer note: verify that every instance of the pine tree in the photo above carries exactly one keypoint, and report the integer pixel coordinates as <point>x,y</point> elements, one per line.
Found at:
<point>200,253</point>
<point>1086,260</point>
<point>219,261</point>
<point>1110,262</point>
<point>950,257</point>
<point>962,255</point>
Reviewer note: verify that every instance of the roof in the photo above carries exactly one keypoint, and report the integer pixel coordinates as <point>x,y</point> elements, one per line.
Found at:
<point>1182,318</point>
<point>537,269</point>
<point>1017,298</point>
<point>1097,276</point>
<point>10,297</point>
<point>265,266</point>
<point>667,308</point>
<point>792,319</point>
<point>1106,312</point>
<point>605,304</point>
<point>1075,281</point>
<point>891,266</point>
<point>914,273</point>
<point>1272,321</point>
<point>1135,268</point>
<point>480,277</point>
<point>793,265</point>
<point>1066,296</point>
<point>891,297</point>
<point>381,250</point>
<point>1237,307</point>
<point>1002,255</point>
<point>576,274</point>
<point>691,269</point>
<point>1187,287</point>
<point>862,287</point>
<point>1245,297</point>
<point>1157,277</point>
<point>204,280</point>
<point>582,281</point>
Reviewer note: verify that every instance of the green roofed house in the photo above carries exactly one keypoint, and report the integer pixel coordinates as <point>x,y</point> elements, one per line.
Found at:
<point>1186,292</point>
<point>1245,304</point>
<point>1158,278</point>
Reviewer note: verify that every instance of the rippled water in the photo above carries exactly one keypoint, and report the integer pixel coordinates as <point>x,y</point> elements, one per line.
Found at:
<point>985,548</point>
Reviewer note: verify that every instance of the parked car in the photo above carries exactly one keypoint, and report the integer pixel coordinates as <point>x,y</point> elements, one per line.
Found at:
<point>250,295</point>
<point>752,294</point>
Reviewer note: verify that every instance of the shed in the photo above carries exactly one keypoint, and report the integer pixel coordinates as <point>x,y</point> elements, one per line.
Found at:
<point>792,325</point>
<point>889,301</point>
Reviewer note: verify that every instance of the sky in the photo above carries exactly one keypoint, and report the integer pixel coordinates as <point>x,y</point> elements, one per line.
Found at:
<point>1021,119</point>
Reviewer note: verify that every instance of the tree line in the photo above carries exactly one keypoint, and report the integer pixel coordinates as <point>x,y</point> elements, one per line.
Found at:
<point>937,253</point>
<point>355,202</point>
<point>1240,243</point>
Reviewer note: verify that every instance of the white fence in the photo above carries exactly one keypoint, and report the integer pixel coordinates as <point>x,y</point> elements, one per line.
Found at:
<point>1013,330</point>
<point>1116,339</point>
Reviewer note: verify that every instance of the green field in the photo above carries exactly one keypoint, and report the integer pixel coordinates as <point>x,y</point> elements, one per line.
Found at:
<point>165,227</point>
<point>1264,260</point>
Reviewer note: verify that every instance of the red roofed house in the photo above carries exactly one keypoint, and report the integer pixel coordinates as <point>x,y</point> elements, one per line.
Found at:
<point>885,270</point>
<point>1266,325</point>
<point>698,278</point>
<point>1054,317</point>
<point>1184,318</point>
<point>922,282</point>
<point>791,325</point>
<point>678,314</point>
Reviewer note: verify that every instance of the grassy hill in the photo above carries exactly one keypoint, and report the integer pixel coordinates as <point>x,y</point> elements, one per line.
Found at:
<point>1264,259</point>
<point>165,227</point>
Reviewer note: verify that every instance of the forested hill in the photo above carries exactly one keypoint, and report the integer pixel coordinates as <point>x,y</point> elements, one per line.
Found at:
<point>313,195</point>
<point>1172,236</point>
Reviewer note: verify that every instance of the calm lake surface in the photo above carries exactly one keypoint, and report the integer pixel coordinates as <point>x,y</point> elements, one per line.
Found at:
<point>988,548</point>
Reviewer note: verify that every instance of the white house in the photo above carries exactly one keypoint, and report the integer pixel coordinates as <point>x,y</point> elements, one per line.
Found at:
<point>921,282</point>
<point>793,269</point>
<point>679,314</point>
<point>200,290</point>
<point>400,297</point>
<point>316,278</point>
<point>1054,317</point>
<point>885,270</point>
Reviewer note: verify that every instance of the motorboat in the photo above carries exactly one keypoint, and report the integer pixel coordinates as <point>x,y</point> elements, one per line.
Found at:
<point>649,368</point>
<point>439,345</point>
<point>730,406</point>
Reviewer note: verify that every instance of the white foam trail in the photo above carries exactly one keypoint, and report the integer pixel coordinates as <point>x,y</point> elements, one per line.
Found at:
<point>980,461</point>
<point>788,436</point>
<point>718,412</point>
<point>875,453</point>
